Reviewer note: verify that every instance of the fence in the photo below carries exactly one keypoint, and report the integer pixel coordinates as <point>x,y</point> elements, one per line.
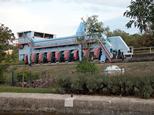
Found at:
<point>31,79</point>
<point>144,50</point>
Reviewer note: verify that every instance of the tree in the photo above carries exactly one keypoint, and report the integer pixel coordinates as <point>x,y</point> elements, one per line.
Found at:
<point>92,30</point>
<point>6,36</point>
<point>141,13</point>
<point>14,56</point>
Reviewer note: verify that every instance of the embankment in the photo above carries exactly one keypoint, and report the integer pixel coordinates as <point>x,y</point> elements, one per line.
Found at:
<point>79,104</point>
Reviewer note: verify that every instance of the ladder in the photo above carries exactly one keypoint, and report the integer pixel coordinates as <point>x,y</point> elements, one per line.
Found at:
<point>105,50</point>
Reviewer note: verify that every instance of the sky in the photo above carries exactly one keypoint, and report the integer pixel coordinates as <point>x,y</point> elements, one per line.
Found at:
<point>62,17</point>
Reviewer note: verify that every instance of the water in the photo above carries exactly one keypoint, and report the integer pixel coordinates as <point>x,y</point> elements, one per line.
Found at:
<point>10,113</point>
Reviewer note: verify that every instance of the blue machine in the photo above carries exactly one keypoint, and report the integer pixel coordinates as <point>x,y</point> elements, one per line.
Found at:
<point>64,49</point>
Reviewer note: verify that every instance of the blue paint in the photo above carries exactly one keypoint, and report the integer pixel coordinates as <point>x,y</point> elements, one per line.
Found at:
<point>51,56</point>
<point>44,55</point>
<point>36,58</point>
<point>69,55</point>
<point>99,53</point>
<point>103,58</point>
<point>60,55</point>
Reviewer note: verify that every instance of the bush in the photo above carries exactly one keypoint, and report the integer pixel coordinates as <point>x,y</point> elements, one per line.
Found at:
<point>106,85</point>
<point>19,76</point>
<point>86,66</point>
<point>145,87</point>
<point>3,68</point>
<point>63,84</point>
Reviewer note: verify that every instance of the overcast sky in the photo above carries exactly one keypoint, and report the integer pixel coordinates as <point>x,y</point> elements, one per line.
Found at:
<point>62,17</point>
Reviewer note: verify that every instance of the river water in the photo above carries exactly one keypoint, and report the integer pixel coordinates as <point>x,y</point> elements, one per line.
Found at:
<point>6,113</point>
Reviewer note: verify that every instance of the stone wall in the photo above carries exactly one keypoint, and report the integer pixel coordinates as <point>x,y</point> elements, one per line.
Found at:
<point>82,104</point>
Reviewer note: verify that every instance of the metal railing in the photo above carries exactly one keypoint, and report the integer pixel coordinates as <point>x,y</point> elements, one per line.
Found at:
<point>52,42</point>
<point>105,50</point>
<point>143,50</point>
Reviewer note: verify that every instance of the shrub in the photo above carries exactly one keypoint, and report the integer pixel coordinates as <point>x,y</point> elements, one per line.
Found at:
<point>63,84</point>
<point>145,87</point>
<point>77,85</point>
<point>107,85</point>
<point>94,84</point>
<point>86,66</point>
<point>2,70</point>
<point>19,76</point>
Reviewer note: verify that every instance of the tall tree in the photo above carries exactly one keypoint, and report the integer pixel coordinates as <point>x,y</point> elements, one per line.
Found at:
<point>141,13</point>
<point>6,36</point>
<point>93,29</point>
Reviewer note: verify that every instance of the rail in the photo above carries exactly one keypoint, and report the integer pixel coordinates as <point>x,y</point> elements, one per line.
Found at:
<point>105,50</point>
<point>48,43</point>
<point>143,50</point>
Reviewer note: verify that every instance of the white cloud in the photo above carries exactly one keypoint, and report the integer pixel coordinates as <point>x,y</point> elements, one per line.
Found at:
<point>18,18</point>
<point>15,0</point>
<point>100,2</point>
<point>61,17</point>
<point>105,2</point>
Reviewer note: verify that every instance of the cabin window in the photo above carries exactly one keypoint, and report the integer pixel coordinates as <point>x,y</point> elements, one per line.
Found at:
<point>48,36</point>
<point>40,35</point>
<point>21,35</point>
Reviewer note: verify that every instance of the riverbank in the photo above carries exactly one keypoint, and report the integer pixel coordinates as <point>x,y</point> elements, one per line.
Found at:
<point>78,104</point>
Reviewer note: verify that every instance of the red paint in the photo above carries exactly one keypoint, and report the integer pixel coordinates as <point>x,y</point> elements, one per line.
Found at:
<point>96,52</point>
<point>49,56</point>
<point>33,57</point>
<point>85,53</point>
<point>57,55</point>
<point>41,57</point>
<point>66,54</point>
<point>25,58</point>
<point>75,54</point>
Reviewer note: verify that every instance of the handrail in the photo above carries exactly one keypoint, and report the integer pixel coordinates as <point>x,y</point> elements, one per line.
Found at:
<point>105,50</point>
<point>32,44</point>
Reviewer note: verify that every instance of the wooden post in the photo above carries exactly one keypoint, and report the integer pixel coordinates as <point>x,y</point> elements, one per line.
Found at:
<point>12,78</point>
<point>23,79</point>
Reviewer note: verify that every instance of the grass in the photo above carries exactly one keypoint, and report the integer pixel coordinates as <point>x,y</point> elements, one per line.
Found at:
<point>58,70</point>
<point>4,88</point>
<point>133,69</point>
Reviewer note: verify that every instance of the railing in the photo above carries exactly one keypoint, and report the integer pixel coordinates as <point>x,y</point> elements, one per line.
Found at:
<point>144,50</point>
<point>105,50</point>
<point>52,42</point>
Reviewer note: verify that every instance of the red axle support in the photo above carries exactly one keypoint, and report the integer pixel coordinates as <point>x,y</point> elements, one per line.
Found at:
<point>96,52</point>
<point>66,55</point>
<point>85,53</point>
<point>58,55</point>
<point>25,59</point>
<point>41,57</point>
<point>49,54</point>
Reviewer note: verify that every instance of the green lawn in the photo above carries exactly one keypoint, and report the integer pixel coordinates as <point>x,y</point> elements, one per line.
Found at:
<point>5,88</point>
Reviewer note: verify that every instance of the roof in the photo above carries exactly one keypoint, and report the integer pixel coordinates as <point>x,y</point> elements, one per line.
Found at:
<point>34,31</point>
